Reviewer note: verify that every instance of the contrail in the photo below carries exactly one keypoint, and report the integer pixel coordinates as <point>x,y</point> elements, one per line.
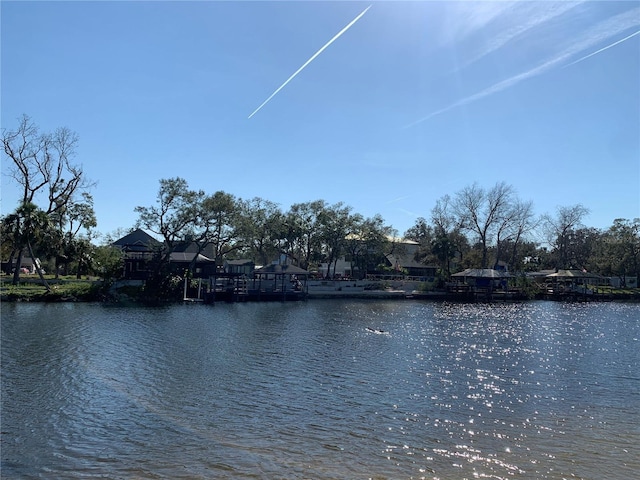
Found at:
<point>603,49</point>
<point>534,18</point>
<point>409,212</point>
<point>311,60</point>
<point>606,29</point>
<point>397,199</point>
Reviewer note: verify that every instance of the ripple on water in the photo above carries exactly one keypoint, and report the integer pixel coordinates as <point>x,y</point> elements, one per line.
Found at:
<point>344,389</point>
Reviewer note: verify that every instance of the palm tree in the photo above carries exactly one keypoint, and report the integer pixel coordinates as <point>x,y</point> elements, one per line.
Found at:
<point>28,225</point>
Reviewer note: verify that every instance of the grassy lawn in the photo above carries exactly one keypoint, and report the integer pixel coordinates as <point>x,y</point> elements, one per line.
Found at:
<point>622,292</point>
<point>30,288</point>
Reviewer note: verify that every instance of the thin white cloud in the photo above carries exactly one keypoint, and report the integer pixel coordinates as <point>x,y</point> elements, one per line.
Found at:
<point>526,17</point>
<point>397,199</point>
<point>409,212</point>
<point>601,32</point>
<point>467,18</point>
<point>604,48</point>
<point>311,60</point>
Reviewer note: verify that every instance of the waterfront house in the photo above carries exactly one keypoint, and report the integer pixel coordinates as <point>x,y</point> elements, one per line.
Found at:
<point>138,248</point>
<point>240,267</point>
<point>341,268</point>
<point>402,258</point>
<point>407,263</point>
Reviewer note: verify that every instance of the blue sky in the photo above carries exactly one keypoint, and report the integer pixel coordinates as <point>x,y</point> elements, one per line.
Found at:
<point>412,101</point>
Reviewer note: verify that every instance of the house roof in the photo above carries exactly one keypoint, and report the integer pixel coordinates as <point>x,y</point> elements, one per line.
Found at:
<point>481,273</point>
<point>285,269</point>
<point>136,240</point>
<point>188,257</point>
<point>401,240</point>
<point>192,247</point>
<point>539,273</point>
<point>573,274</point>
<point>405,261</point>
<point>240,263</point>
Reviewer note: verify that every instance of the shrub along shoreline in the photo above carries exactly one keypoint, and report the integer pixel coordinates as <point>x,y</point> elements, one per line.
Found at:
<point>62,290</point>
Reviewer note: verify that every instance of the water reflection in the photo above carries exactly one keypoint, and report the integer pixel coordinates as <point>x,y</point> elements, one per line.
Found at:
<point>336,389</point>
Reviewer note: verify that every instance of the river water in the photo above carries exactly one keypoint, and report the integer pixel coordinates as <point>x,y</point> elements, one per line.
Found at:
<point>324,389</point>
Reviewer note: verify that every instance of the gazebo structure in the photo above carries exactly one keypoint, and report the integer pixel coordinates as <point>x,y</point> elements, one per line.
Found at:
<point>201,266</point>
<point>279,282</point>
<point>573,281</point>
<point>480,283</point>
<point>483,277</point>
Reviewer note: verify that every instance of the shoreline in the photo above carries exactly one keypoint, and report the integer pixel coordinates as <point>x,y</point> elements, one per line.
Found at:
<point>93,290</point>
<point>395,295</point>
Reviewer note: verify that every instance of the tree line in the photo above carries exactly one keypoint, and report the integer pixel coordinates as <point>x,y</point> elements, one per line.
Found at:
<point>476,227</point>
<point>481,227</point>
<point>307,234</point>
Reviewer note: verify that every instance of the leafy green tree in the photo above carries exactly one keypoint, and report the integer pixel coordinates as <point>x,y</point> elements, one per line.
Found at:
<point>302,232</point>
<point>420,232</point>
<point>336,223</point>
<point>472,257</point>
<point>582,246</point>
<point>219,224</point>
<point>367,243</point>
<point>423,233</point>
<point>626,235</point>
<point>81,251</point>
<point>10,238</point>
<point>75,222</point>
<point>6,242</point>
<point>175,215</point>
<point>174,218</point>
<point>261,228</point>
<point>619,251</point>
<point>444,251</point>
<point>108,263</point>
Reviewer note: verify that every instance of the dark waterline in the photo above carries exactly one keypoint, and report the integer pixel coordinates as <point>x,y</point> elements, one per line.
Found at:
<point>321,389</point>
